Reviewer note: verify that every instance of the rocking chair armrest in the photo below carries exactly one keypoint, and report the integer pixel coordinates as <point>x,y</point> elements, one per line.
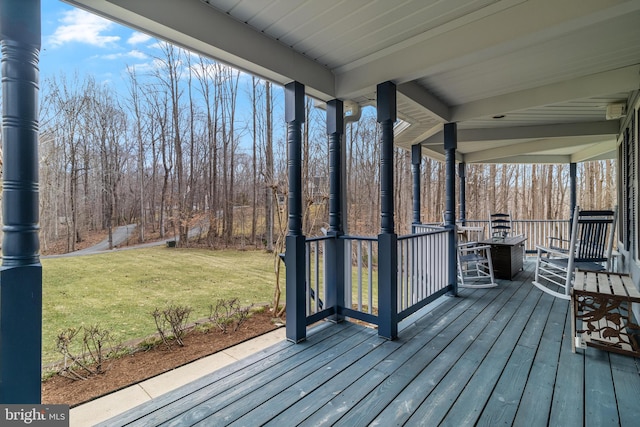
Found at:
<point>472,247</point>
<point>552,251</point>
<point>465,244</point>
<point>559,239</point>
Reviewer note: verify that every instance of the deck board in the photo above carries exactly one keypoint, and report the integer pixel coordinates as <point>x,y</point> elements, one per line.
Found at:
<point>624,370</point>
<point>568,405</point>
<point>534,408</point>
<point>460,377</point>
<point>473,399</point>
<point>498,356</point>
<point>463,332</point>
<point>600,400</point>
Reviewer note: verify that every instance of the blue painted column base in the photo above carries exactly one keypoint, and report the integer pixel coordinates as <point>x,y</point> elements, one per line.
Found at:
<point>335,275</point>
<point>296,293</point>
<point>388,286</point>
<point>20,334</point>
<point>450,145</point>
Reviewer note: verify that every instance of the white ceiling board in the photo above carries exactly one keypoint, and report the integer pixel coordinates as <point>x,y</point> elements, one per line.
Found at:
<point>614,43</point>
<point>614,81</point>
<point>509,27</point>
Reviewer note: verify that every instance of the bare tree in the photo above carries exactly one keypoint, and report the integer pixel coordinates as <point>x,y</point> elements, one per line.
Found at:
<point>271,186</point>
<point>136,109</point>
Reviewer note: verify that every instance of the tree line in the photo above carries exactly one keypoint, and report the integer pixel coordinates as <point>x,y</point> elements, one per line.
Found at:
<point>194,147</point>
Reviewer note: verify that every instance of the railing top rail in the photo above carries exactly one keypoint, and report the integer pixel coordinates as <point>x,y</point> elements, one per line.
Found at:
<point>540,220</point>
<point>520,220</point>
<point>317,238</point>
<point>364,238</point>
<point>423,233</point>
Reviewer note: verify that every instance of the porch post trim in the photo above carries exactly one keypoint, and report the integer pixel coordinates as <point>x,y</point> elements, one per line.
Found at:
<point>450,145</point>
<point>335,247</point>
<point>296,328</point>
<point>416,160</point>
<point>387,239</point>
<point>21,271</point>
<point>462,174</point>
<point>573,173</point>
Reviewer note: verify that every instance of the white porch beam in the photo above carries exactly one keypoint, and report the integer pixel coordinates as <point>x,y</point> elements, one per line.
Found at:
<point>437,153</point>
<point>195,25</point>
<point>615,81</point>
<point>532,159</point>
<point>604,151</point>
<point>535,147</point>
<point>601,128</point>
<point>418,95</point>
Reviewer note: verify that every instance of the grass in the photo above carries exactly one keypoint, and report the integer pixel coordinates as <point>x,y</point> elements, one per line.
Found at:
<point>120,290</point>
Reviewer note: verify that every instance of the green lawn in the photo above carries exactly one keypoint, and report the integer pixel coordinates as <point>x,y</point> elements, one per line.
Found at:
<point>119,290</point>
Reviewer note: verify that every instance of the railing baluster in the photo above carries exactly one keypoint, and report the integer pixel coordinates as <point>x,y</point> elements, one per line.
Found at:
<point>370,291</point>
<point>308,276</point>
<point>316,262</point>
<point>359,275</point>
<point>324,270</point>
<point>348,272</point>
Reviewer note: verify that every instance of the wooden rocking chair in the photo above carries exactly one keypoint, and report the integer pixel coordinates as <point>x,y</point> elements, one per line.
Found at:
<point>475,268</point>
<point>589,248</point>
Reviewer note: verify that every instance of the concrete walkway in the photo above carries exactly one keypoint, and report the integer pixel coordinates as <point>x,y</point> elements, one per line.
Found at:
<point>103,408</point>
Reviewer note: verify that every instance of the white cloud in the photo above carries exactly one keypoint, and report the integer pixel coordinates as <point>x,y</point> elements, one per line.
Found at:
<point>135,54</point>
<point>137,38</point>
<point>157,45</point>
<point>83,27</point>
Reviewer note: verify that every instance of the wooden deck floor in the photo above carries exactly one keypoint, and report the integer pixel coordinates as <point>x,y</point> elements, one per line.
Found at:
<point>491,357</point>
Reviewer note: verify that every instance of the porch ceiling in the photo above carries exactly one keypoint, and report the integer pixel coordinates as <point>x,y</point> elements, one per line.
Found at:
<point>549,68</point>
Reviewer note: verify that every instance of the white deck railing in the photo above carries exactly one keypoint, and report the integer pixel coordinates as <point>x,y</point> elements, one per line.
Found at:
<point>316,273</point>
<point>537,231</point>
<point>423,258</point>
<point>361,280</point>
<point>422,271</point>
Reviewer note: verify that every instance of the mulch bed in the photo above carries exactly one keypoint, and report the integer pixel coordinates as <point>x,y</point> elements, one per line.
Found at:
<point>144,364</point>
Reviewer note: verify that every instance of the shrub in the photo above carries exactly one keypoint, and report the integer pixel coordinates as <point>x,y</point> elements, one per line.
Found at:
<point>96,347</point>
<point>228,313</point>
<point>171,323</point>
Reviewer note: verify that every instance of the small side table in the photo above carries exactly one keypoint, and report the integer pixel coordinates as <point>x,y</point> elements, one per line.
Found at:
<point>506,255</point>
<point>602,302</point>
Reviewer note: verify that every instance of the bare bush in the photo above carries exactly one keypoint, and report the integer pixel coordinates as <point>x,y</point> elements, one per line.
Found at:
<point>171,323</point>
<point>97,346</point>
<point>228,313</point>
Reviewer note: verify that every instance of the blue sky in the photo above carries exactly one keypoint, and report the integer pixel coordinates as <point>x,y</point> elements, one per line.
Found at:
<point>75,40</point>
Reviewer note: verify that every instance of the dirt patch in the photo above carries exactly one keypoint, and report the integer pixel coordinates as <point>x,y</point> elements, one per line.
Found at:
<point>142,365</point>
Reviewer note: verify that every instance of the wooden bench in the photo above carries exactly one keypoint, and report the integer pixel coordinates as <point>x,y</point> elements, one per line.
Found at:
<point>602,302</point>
